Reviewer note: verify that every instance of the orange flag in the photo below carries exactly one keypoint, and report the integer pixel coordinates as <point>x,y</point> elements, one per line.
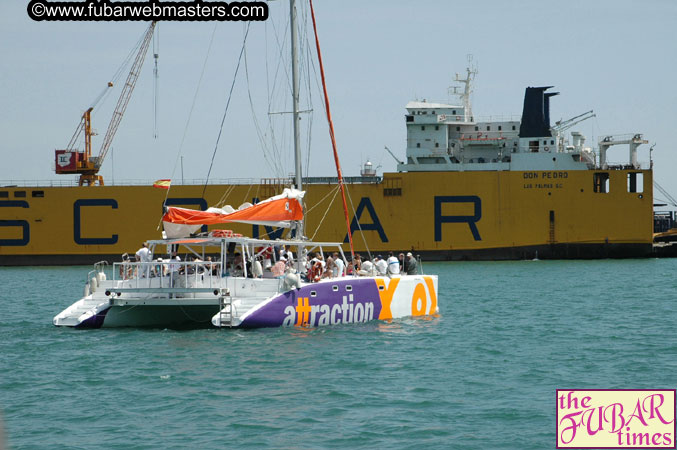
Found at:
<point>162,184</point>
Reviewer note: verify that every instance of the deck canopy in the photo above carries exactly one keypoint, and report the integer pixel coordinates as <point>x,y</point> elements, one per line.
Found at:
<point>279,211</point>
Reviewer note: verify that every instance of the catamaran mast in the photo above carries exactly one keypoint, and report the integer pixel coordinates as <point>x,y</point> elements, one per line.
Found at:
<point>295,92</point>
<point>295,100</point>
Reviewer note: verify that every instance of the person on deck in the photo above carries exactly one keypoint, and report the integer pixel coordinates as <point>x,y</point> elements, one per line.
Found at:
<point>366,269</point>
<point>393,264</point>
<point>357,262</point>
<point>279,267</point>
<point>329,269</point>
<point>174,265</point>
<point>339,265</point>
<point>381,265</point>
<point>412,269</point>
<point>143,255</point>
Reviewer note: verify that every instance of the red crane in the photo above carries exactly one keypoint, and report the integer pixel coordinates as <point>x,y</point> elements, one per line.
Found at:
<point>70,160</point>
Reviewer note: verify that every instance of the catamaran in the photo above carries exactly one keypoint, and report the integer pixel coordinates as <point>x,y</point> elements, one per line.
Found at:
<point>231,281</point>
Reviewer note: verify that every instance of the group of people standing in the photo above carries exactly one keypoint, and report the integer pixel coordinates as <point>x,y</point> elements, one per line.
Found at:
<point>277,261</point>
<point>393,265</point>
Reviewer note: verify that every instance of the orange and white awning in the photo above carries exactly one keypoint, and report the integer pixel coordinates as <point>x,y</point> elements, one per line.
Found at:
<point>278,211</point>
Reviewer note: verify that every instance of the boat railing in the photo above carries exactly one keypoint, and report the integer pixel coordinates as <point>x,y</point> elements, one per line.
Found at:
<point>171,274</point>
<point>483,136</point>
<point>611,165</point>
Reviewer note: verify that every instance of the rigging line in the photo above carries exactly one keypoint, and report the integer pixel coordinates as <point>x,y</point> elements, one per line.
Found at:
<point>276,156</point>
<point>126,61</point>
<point>246,195</point>
<point>359,227</point>
<point>225,112</point>
<point>103,96</point>
<point>331,129</point>
<point>276,148</point>
<point>192,107</point>
<point>190,115</point>
<point>222,201</point>
<point>156,81</point>
<point>325,214</point>
<point>310,93</point>
<point>255,120</point>
<point>309,133</point>
<point>334,189</point>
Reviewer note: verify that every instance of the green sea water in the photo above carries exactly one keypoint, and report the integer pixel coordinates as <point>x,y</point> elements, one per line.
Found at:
<point>482,375</point>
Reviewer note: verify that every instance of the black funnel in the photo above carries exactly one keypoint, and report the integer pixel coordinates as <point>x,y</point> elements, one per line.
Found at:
<point>536,112</point>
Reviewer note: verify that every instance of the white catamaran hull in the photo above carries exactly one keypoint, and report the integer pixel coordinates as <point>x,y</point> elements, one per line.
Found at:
<point>255,303</point>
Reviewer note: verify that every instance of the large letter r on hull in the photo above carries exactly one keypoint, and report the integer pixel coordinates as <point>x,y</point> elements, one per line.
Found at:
<point>470,220</point>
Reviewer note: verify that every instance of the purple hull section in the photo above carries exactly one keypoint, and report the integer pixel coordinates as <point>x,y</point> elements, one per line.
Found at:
<point>95,321</point>
<point>326,303</point>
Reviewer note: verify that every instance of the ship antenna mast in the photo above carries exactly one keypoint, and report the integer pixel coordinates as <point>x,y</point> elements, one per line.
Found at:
<point>467,88</point>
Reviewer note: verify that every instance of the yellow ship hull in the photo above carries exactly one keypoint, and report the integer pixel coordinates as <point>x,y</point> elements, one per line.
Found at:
<point>439,215</point>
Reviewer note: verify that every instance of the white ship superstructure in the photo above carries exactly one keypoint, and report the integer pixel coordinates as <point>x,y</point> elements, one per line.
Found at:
<point>448,137</point>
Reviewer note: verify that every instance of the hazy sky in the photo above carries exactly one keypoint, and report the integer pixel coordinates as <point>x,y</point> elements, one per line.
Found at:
<point>617,57</point>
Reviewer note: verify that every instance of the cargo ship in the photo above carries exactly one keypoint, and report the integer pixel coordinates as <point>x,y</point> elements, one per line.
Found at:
<point>468,189</point>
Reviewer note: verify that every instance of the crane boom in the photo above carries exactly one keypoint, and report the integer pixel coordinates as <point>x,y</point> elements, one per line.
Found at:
<point>72,161</point>
<point>123,101</point>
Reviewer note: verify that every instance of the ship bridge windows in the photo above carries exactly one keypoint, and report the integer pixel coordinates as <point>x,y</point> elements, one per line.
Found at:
<point>533,146</point>
<point>409,117</point>
<point>636,182</point>
<point>601,182</point>
<point>392,187</point>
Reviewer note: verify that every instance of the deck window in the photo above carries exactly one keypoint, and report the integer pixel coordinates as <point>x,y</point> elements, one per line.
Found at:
<point>635,182</point>
<point>601,182</point>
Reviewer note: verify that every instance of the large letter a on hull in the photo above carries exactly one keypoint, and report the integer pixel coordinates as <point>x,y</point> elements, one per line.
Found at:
<point>375,224</point>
